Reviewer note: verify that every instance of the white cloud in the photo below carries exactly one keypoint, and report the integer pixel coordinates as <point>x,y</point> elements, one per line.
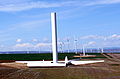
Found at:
<point>21,5</point>
<point>26,46</point>
<point>18,40</point>
<point>114,36</point>
<point>3,2</point>
<point>92,37</point>
<point>90,43</point>
<point>111,37</point>
<point>43,45</point>
<point>23,45</point>
<point>100,2</point>
<point>31,24</point>
<point>35,40</point>
<point>26,5</point>
<point>24,26</point>
<point>45,39</point>
<point>21,28</point>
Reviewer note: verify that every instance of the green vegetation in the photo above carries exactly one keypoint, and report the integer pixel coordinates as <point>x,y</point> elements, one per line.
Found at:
<point>45,56</point>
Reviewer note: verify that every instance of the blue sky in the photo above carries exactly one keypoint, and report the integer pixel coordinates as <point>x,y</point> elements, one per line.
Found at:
<point>25,24</point>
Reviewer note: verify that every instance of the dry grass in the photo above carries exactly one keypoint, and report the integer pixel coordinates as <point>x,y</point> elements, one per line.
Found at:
<point>78,72</point>
<point>14,65</point>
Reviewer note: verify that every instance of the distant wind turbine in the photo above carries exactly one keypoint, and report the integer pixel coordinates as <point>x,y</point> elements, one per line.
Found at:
<point>75,41</point>
<point>61,47</point>
<point>68,41</point>
<point>83,50</point>
<point>102,50</point>
<point>37,41</point>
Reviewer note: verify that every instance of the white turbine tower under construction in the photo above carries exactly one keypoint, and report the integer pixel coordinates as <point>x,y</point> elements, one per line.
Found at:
<point>55,62</point>
<point>54,49</point>
<point>54,37</point>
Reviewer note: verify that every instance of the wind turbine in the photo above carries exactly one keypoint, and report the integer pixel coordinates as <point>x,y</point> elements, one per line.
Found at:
<point>102,50</point>
<point>28,51</point>
<point>37,41</point>
<point>68,41</point>
<point>61,47</point>
<point>83,50</point>
<point>75,41</point>
<point>55,62</point>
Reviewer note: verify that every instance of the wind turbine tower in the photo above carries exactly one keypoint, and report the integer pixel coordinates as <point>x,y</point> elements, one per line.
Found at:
<point>83,51</point>
<point>54,37</point>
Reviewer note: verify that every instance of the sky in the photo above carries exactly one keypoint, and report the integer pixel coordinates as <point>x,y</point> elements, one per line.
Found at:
<point>26,25</point>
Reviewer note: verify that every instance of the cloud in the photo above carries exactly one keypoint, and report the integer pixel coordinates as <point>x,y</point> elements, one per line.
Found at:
<point>30,46</point>
<point>102,41</point>
<point>35,40</point>
<point>14,31</point>
<point>23,45</point>
<point>43,45</point>
<point>18,40</point>
<point>31,24</point>
<point>22,5</point>
<point>45,40</point>
<point>90,43</point>
<point>26,5</point>
<point>25,26</point>
<point>92,37</point>
<point>101,2</point>
<point>113,37</point>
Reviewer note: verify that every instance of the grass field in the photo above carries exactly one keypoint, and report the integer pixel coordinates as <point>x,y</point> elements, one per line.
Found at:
<point>41,56</point>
